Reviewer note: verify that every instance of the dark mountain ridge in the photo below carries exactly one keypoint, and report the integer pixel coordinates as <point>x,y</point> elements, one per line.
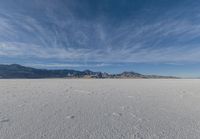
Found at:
<point>17,71</point>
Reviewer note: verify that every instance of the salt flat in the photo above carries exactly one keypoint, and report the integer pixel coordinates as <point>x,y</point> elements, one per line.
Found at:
<point>100,109</point>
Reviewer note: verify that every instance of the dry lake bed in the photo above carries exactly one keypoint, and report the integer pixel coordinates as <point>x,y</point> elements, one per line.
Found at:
<point>100,109</point>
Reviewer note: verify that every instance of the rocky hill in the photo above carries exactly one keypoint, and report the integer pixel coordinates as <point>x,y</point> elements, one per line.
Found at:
<point>18,71</point>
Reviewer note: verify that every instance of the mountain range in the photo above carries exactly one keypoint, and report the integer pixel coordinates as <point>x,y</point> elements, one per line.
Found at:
<point>14,71</point>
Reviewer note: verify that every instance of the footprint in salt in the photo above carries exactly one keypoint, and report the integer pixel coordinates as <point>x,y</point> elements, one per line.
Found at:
<point>137,135</point>
<point>70,117</point>
<point>4,119</point>
<point>183,94</point>
<point>21,105</point>
<point>117,114</point>
<point>124,108</point>
<point>133,115</point>
<point>91,93</point>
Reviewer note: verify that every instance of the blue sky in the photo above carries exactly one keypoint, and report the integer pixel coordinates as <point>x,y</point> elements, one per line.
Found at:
<point>147,36</point>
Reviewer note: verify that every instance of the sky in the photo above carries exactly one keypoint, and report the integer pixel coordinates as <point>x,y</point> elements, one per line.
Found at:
<point>147,36</point>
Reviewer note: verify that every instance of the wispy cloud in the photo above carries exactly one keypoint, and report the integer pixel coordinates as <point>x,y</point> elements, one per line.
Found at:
<point>13,49</point>
<point>59,34</point>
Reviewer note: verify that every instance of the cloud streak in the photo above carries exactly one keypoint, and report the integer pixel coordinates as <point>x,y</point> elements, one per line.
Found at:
<point>58,33</point>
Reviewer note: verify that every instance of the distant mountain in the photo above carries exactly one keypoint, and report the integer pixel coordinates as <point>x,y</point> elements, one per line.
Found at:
<point>18,71</point>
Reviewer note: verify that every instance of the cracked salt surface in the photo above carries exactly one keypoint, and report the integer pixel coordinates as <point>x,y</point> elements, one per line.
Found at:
<point>99,109</point>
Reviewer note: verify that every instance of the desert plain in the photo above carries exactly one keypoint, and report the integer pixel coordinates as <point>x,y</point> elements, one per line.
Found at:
<point>99,109</point>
